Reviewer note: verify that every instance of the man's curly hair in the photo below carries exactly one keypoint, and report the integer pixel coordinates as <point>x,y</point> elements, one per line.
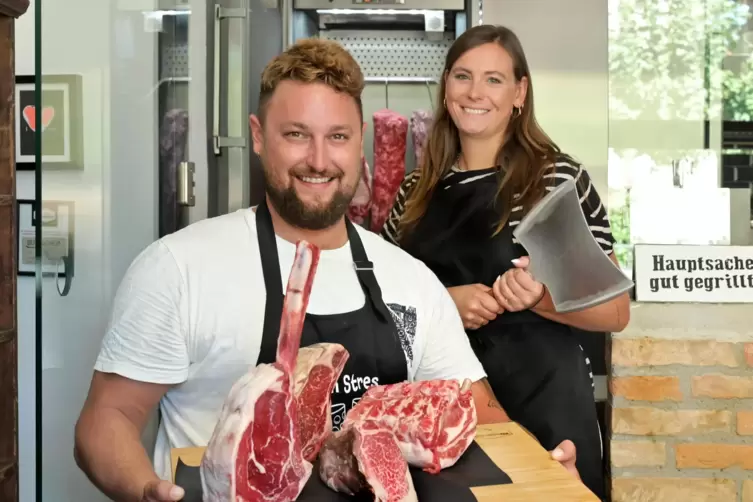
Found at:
<point>313,60</point>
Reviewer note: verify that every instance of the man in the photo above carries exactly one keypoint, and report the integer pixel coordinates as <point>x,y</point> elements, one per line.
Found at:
<point>200,307</point>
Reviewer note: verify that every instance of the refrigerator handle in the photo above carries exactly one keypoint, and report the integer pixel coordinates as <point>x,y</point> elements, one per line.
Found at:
<point>219,141</point>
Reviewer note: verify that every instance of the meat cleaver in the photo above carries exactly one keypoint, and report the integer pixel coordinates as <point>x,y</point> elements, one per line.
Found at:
<point>564,254</point>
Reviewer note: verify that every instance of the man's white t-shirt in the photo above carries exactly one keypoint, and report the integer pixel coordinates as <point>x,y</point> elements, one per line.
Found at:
<point>190,311</point>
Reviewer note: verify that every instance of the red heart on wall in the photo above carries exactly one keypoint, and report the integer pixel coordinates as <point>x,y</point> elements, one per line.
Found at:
<point>48,113</point>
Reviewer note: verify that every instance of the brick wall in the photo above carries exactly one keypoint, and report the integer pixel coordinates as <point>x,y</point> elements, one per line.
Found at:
<point>681,406</point>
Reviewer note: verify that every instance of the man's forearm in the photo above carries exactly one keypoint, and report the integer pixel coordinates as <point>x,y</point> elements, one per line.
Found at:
<point>488,409</point>
<point>108,449</point>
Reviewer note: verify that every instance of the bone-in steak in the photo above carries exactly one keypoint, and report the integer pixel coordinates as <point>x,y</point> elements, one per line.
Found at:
<point>316,372</point>
<point>434,421</point>
<point>365,456</point>
<point>254,453</point>
<point>428,424</point>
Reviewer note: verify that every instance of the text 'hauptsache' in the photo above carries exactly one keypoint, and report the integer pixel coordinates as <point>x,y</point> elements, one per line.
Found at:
<point>693,273</point>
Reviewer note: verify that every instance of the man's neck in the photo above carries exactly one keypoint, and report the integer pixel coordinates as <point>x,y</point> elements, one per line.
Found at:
<point>330,238</point>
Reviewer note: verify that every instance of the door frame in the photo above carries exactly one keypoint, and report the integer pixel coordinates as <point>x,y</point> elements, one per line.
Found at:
<point>9,11</point>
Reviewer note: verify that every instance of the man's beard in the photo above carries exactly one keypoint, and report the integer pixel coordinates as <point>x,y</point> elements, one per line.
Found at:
<point>295,212</point>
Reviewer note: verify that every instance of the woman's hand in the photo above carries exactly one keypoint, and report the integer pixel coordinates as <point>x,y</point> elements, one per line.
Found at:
<point>516,289</point>
<point>475,304</point>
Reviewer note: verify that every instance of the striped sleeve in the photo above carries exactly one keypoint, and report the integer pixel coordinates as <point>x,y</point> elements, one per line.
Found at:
<point>389,231</point>
<point>590,202</point>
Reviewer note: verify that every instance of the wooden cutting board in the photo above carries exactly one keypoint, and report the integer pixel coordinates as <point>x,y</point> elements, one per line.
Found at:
<point>535,476</point>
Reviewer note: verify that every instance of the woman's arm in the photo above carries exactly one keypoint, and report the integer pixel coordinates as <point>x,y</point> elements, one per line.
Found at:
<point>612,316</point>
<point>390,229</point>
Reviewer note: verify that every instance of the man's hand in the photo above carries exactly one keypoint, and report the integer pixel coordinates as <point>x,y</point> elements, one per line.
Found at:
<point>564,453</point>
<point>475,304</point>
<point>108,446</point>
<point>162,491</point>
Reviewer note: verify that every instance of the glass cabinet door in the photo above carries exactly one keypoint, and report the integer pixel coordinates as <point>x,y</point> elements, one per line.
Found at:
<point>121,162</point>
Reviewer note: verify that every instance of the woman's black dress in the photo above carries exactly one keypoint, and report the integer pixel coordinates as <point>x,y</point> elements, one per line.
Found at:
<point>535,366</point>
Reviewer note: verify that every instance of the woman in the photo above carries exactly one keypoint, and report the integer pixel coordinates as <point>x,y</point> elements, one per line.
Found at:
<point>486,163</point>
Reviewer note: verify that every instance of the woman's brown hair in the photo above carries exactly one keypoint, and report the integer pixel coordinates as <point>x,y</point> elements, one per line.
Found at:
<point>526,155</point>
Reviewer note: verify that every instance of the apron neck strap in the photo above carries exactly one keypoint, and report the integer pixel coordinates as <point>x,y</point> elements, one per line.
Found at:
<point>365,271</point>
<point>271,266</point>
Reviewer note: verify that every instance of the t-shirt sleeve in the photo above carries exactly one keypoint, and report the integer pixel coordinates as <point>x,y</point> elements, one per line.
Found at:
<point>146,339</point>
<point>590,202</point>
<point>389,231</point>
<point>446,350</point>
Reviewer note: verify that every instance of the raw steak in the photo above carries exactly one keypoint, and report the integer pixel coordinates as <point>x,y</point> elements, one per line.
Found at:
<point>420,122</point>
<point>360,206</point>
<point>434,421</point>
<point>390,142</point>
<point>363,457</point>
<point>316,372</point>
<point>254,453</point>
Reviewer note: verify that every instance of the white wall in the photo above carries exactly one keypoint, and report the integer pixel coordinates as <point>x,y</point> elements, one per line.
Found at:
<point>566,47</point>
<point>115,203</point>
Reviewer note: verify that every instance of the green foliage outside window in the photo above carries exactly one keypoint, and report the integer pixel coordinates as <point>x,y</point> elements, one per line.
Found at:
<point>665,56</point>
<point>619,221</point>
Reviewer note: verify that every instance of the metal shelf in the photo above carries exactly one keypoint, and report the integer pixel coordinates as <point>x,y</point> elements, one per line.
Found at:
<point>395,54</point>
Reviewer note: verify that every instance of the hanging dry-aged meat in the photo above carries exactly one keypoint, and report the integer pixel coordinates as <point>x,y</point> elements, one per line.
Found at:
<point>390,142</point>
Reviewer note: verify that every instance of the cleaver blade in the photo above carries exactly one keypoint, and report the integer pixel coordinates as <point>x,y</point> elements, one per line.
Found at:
<point>564,254</point>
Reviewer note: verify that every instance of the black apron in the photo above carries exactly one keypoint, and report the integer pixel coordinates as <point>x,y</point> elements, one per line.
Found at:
<point>369,334</point>
<point>535,366</point>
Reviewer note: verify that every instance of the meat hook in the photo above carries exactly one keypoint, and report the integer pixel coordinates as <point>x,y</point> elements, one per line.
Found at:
<point>431,99</point>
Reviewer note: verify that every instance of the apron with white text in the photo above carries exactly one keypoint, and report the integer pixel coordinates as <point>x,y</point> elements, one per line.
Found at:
<point>369,334</point>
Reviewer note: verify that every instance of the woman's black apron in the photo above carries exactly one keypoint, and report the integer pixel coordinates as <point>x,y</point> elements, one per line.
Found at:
<point>535,366</point>
<point>369,334</point>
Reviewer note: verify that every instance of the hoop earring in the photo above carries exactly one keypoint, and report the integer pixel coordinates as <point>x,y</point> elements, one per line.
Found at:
<point>518,109</point>
<point>444,102</point>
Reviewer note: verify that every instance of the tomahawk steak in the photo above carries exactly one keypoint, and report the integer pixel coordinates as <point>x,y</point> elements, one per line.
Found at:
<point>366,456</point>
<point>434,421</point>
<point>316,372</point>
<point>254,453</point>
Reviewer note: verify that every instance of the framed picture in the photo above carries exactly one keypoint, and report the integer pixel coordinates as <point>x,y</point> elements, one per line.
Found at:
<point>57,238</point>
<point>61,122</point>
